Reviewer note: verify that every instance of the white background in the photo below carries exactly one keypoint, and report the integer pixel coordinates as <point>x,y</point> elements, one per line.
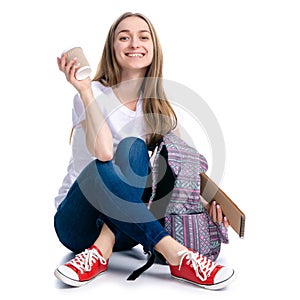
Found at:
<point>242,57</point>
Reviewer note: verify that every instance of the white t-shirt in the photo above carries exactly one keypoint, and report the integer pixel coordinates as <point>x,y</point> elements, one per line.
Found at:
<point>122,121</point>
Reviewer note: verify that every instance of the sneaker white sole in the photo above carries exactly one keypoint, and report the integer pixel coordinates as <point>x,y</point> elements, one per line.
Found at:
<point>70,281</point>
<point>217,286</point>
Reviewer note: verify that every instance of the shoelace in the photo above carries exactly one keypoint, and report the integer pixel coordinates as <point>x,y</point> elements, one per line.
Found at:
<point>85,260</point>
<point>198,262</point>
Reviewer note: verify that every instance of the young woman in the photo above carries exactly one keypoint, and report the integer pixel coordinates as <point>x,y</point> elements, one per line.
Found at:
<point>117,118</point>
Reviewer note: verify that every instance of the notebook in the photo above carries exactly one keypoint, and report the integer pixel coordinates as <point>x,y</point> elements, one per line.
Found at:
<point>210,192</point>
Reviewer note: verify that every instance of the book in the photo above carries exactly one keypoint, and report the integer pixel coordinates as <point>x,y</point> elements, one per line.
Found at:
<point>210,191</point>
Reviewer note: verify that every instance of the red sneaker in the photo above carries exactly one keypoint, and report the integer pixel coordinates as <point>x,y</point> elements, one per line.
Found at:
<point>82,268</point>
<point>198,269</point>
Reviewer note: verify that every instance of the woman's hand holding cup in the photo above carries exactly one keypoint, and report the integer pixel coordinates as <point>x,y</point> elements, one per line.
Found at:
<point>76,68</point>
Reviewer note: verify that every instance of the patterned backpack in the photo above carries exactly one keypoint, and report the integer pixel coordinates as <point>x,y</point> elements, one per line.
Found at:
<point>186,219</point>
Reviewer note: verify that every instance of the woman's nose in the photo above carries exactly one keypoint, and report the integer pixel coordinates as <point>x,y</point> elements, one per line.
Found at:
<point>135,43</point>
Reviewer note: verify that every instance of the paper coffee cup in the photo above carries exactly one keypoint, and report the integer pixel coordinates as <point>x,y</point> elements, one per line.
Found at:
<point>85,69</point>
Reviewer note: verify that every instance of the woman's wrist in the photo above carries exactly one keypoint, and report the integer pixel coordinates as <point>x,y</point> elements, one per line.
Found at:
<point>87,96</point>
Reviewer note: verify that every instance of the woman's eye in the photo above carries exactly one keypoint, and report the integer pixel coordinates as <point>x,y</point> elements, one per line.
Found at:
<point>145,38</point>
<point>124,38</point>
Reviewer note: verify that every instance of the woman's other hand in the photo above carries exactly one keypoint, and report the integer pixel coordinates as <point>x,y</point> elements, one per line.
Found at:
<point>215,212</point>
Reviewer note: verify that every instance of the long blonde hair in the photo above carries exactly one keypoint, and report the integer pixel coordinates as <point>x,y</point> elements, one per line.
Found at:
<point>159,115</point>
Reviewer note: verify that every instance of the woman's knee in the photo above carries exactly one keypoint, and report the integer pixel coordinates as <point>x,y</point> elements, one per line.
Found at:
<point>132,153</point>
<point>61,235</point>
<point>74,240</point>
<point>129,144</point>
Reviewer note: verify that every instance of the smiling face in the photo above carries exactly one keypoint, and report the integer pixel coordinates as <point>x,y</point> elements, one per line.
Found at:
<point>133,47</point>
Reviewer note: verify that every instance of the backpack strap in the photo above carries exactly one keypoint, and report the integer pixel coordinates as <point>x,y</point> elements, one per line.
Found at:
<point>135,274</point>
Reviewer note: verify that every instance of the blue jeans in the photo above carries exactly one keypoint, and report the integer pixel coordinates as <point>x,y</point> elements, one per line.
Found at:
<point>111,193</point>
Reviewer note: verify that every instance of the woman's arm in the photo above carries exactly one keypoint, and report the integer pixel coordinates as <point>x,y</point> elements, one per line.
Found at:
<point>99,139</point>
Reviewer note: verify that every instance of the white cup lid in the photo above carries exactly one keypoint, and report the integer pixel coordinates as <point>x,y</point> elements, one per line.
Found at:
<point>83,72</point>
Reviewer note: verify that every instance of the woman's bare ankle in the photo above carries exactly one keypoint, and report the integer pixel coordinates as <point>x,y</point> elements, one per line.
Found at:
<point>106,251</point>
<point>169,248</point>
<point>105,242</point>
